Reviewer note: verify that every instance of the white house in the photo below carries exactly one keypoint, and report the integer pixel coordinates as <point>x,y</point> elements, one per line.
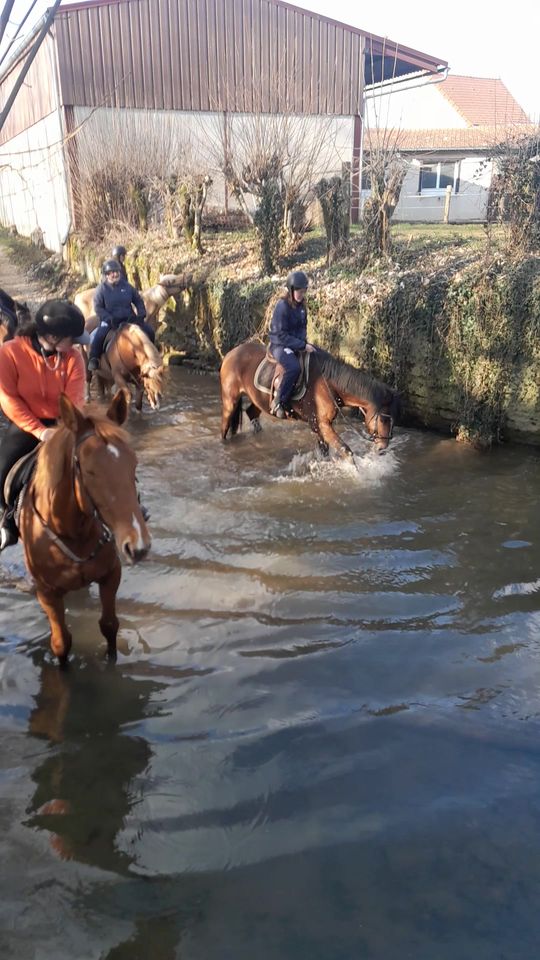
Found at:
<point>448,130</point>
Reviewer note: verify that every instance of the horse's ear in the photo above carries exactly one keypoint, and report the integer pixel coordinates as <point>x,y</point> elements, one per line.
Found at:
<point>70,416</point>
<point>118,409</point>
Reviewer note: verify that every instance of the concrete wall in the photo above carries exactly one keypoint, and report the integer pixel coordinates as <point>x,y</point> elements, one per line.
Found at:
<point>164,142</point>
<point>33,190</point>
<point>420,108</point>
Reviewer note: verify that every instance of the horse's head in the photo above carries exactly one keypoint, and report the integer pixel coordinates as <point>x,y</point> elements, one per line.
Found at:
<point>174,283</point>
<point>105,473</point>
<point>380,419</point>
<point>152,379</point>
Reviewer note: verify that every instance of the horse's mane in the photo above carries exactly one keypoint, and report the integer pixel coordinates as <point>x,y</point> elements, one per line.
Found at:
<point>152,354</point>
<point>349,379</point>
<point>56,453</point>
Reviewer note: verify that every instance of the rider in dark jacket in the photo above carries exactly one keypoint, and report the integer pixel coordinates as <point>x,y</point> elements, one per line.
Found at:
<point>119,253</point>
<point>114,300</point>
<point>288,337</point>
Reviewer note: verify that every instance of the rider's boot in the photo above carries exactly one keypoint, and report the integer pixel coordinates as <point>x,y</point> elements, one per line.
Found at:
<point>93,364</point>
<point>277,409</point>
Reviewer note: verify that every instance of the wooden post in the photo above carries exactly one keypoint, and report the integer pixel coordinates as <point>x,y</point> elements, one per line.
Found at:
<point>355,170</point>
<point>446,213</point>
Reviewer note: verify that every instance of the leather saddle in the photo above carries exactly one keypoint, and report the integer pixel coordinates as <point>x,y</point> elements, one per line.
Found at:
<point>17,480</point>
<point>269,372</point>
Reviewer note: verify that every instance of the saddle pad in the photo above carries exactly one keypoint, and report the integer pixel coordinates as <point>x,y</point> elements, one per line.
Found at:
<point>19,476</point>
<point>266,371</point>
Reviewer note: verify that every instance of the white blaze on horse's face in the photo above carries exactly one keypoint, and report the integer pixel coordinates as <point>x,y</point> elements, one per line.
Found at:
<point>110,483</point>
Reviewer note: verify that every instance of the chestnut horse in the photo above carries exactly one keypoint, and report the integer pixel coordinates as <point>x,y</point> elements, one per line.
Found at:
<point>80,513</point>
<point>332,384</point>
<point>168,285</point>
<point>132,359</point>
<point>12,313</point>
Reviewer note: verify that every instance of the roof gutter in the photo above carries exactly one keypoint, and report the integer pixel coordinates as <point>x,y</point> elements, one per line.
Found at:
<point>378,89</point>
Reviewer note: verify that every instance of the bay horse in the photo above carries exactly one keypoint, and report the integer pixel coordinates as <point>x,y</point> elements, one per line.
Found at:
<point>131,359</point>
<point>332,384</point>
<point>12,313</point>
<point>80,513</point>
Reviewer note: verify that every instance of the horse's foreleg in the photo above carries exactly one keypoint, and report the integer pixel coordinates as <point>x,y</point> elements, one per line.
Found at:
<point>253,412</point>
<point>108,622</point>
<point>138,397</point>
<point>121,384</point>
<point>330,438</point>
<point>53,606</point>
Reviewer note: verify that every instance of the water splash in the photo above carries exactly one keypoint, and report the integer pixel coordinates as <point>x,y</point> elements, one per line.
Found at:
<point>367,467</point>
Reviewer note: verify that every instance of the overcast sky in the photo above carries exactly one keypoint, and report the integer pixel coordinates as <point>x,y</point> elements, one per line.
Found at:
<point>477,38</point>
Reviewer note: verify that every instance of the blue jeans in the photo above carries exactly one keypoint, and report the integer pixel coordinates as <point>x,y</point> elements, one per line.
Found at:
<point>99,337</point>
<point>291,364</point>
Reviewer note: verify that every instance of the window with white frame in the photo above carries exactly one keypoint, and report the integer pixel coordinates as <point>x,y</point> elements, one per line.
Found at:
<point>436,177</point>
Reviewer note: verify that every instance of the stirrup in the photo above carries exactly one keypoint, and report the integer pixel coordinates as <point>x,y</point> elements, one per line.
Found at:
<point>9,534</point>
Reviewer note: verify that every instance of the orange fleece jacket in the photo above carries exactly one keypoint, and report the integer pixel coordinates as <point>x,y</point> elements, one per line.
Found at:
<point>30,389</point>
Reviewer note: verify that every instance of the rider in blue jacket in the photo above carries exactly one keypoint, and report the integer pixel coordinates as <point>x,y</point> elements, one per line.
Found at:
<point>114,300</point>
<point>288,337</point>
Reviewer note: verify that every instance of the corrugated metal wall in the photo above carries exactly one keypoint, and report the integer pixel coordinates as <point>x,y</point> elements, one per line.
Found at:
<point>207,55</point>
<point>37,97</point>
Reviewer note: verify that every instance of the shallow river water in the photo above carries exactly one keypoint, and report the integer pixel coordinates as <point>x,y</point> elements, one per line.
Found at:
<point>321,738</point>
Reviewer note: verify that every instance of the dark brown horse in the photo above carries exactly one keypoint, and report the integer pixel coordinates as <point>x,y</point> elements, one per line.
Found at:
<point>80,514</point>
<point>12,313</point>
<point>332,385</point>
<point>132,360</point>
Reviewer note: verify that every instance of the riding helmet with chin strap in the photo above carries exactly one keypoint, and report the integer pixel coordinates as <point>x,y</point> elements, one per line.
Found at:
<point>119,251</point>
<point>60,318</point>
<point>297,280</point>
<point>111,266</point>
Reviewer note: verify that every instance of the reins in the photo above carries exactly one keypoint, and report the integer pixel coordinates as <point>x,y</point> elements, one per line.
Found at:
<point>106,535</point>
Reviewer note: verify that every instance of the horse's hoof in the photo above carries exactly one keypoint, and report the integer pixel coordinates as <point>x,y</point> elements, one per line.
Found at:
<point>256,426</point>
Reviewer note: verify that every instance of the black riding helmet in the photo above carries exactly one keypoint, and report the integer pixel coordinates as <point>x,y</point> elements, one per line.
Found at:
<point>297,280</point>
<point>119,251</point>
<point>60,318</point>
<point>111,266</point>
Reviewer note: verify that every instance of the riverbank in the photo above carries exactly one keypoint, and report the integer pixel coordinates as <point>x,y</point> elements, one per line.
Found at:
<point>448,320</point>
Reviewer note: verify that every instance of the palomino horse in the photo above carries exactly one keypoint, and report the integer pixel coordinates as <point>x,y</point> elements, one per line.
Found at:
<point>154,298</point>
<point>80,513</point>
<point>332,384</point>
<point>132,359</point>
<point>12,313</point>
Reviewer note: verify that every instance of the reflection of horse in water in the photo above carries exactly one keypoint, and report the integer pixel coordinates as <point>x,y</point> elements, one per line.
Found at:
<point>332,384</point>
<point>131,359</point>
<point>84,790</point>
<point>154,298</point>
<point>12,313</point>
<point>79,512</point>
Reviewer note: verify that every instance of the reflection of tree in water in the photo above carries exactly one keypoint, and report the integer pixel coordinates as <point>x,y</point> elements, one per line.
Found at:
<point>84,789</point>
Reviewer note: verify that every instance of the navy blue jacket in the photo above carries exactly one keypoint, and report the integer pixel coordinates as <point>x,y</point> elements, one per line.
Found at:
<point>289,326</point>
<point>112,303</point>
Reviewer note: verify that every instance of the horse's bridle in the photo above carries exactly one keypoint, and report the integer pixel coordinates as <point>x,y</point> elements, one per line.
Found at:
<point>105,536</point>
<point>377,416</point>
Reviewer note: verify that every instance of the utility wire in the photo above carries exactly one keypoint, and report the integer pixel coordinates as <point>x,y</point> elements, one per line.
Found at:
<point>17,32</point>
